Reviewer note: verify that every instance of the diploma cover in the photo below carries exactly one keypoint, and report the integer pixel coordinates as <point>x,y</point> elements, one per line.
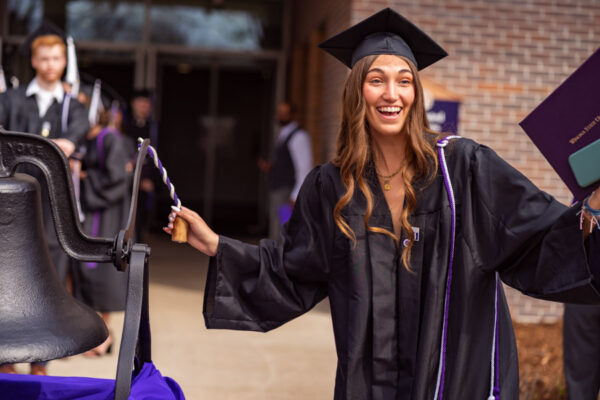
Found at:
<point>567,125</point>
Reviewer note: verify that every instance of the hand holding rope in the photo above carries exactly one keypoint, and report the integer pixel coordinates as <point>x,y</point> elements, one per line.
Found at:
<point>180,226</point>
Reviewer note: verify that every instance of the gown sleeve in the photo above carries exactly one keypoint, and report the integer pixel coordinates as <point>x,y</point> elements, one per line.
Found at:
<point>260,287</point>
<point>107,186</point>
<point>525,234</point>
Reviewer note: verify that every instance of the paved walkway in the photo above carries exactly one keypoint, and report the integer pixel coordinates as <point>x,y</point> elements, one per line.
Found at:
<point>296,361</point>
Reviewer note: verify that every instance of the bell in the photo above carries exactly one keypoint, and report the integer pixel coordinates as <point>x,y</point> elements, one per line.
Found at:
<point>39,319</point>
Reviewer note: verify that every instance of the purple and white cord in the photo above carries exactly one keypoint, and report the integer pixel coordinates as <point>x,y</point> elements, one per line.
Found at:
<point>439,386</point>
<point>163,174</point>
<point>494,359</point>
<point>494,374</point>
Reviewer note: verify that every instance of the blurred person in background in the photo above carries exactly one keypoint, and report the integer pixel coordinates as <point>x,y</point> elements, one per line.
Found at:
<point>140,122</point>
<point>292,160</point>
<point>104,193</point>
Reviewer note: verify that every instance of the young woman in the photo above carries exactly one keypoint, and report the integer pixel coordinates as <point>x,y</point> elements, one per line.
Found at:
<point>407,233</point>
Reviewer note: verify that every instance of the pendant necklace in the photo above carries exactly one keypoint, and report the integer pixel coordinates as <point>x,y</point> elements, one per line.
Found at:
<point>387,178</point>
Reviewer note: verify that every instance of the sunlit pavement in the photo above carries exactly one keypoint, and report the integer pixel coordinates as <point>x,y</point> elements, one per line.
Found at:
<point>296,361</point>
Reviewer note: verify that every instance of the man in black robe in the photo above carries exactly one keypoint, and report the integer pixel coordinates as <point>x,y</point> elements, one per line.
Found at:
<point>43,107</point>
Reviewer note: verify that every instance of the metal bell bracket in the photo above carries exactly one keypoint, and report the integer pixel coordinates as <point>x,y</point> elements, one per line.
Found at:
<point>18,148</point>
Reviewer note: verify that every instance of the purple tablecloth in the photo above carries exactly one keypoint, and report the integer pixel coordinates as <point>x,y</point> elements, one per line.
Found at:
<point>149,384</point>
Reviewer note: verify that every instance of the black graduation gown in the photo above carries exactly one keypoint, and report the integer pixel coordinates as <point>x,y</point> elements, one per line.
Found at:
<point>105,203</point>
<point>20,113</point>
<point>387,322</point>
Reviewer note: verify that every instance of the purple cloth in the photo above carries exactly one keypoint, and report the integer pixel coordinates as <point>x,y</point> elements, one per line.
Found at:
<point>149,384</point>
<point>448,183</point>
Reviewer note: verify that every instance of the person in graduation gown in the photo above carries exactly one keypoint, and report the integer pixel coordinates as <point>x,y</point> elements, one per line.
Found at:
<point>43,107</point>
<point>290,163</point>
<point>416,304</point>
<point>140,123</point>
<point>105,204</point>
<point>581,351</point>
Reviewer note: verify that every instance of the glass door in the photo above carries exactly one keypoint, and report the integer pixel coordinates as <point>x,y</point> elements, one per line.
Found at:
<point>215,122</point>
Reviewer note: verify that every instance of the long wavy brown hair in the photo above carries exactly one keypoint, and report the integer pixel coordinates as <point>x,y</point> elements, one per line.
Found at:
<point>354,153</point>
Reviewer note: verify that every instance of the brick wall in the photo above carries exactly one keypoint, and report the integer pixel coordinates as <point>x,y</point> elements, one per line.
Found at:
<point>505,57</point>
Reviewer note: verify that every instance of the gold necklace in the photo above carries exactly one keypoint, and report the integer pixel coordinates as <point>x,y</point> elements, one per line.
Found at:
<point>386,179</point>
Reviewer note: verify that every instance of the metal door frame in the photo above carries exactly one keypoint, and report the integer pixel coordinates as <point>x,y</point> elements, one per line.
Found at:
<point>215,65</point>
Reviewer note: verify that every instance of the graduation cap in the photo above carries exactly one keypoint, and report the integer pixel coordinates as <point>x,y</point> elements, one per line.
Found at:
<point>48,28</point>
<point>147,93</point>
<point>385,32</point>
<point>101,97</point>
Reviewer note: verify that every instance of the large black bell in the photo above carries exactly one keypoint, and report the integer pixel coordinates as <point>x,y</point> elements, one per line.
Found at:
<point>39,320</point>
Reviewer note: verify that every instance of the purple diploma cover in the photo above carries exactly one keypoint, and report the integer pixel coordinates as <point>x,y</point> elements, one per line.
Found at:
<point>568,121</point>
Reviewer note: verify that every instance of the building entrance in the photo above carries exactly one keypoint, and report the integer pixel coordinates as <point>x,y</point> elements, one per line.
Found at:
<point>215,122</point>
<point>217,69</point>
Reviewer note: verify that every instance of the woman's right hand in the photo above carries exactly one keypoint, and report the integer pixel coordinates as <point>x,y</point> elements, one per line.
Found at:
<point>200,236</point>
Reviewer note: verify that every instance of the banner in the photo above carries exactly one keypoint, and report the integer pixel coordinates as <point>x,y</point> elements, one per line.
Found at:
<point>442,107</point>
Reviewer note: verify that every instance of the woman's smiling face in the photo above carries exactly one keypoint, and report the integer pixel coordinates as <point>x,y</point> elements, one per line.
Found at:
<point>389,92</point>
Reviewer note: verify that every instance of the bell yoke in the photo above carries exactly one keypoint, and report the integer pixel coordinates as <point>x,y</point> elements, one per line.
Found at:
<point>40,320</point>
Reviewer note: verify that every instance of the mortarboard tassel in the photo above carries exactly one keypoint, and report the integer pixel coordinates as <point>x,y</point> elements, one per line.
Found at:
<point>494,393</point>
<point>95,103</point>
<point>72,76</point>
<point>3,86</point>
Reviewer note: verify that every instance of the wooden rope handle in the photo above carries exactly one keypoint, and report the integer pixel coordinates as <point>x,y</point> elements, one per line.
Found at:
<point>180,230</point>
